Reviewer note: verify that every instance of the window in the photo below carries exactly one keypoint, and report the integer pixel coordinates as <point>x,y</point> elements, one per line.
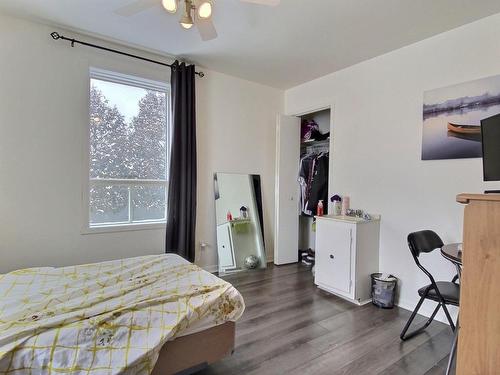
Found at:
<point>128,148</point>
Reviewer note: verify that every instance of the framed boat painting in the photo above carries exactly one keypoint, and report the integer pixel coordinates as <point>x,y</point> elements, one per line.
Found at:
<point>452,118</point>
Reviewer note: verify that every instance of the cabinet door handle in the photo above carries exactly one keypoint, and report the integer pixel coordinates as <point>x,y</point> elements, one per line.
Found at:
<point>331,256</point>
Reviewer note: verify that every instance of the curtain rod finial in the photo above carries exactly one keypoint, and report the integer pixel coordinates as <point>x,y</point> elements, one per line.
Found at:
<point>55,35</point>
<point>201,74</point>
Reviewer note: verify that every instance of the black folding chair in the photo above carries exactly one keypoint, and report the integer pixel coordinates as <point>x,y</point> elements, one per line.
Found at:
<point>442,292</point>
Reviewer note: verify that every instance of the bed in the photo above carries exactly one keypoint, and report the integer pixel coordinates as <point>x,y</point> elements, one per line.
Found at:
<point>156,315</point>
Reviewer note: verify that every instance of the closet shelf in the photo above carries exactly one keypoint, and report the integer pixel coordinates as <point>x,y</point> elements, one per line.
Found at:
<point>314,143</point>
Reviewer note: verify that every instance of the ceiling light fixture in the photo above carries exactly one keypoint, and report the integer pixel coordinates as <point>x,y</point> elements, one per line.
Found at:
<point>205,10</point>
<point>170,5</point>
<point>197,13</point>
<point>186,19</point>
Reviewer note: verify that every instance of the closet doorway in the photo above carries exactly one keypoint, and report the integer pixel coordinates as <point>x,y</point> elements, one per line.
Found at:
<point>304,144</point>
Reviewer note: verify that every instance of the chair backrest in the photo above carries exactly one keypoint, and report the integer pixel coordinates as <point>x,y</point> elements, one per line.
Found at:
<point>423,241</point>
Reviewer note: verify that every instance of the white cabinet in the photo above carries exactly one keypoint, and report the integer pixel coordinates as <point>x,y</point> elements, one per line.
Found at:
<point>346,254</point>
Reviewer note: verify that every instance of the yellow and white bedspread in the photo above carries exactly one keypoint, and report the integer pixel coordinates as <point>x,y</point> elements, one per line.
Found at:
<point>106,318</point>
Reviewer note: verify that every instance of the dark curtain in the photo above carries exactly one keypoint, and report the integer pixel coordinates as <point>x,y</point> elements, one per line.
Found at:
<point>181,202</point>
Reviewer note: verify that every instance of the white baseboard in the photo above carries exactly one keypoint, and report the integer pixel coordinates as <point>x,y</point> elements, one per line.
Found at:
<point>365,302</point>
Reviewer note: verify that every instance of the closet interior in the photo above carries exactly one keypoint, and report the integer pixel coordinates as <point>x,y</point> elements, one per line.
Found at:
<point>314,167</point>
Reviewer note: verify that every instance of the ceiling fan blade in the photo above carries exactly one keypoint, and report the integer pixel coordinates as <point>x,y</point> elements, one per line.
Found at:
<point>263,2</point>
<point>135,7</point>
<point>206,29</point>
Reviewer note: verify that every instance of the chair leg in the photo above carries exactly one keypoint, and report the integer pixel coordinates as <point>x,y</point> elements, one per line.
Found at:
<point>405,336</point>
<point>448,316</point>
<point>453,351</point>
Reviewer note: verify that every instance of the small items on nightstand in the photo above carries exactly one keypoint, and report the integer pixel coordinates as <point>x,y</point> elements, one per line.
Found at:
<point>319,210</point>
<point>345,205</point>
<point>337,205</point>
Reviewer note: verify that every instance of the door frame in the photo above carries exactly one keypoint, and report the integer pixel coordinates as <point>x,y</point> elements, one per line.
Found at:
<point>328,104</point>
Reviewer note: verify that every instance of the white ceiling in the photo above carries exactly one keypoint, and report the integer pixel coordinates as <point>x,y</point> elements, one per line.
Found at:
<point>281,46</point>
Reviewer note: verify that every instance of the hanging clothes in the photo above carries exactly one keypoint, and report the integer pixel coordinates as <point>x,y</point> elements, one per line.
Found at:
<point>313,181</point>
<point>319,184</point>
<point>306,164</point>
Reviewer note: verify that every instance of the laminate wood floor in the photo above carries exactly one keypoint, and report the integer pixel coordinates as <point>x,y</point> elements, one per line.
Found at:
<point>290,326</point>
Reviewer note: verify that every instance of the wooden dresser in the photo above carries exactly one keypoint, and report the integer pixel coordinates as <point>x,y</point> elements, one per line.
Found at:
<point>479,335</point>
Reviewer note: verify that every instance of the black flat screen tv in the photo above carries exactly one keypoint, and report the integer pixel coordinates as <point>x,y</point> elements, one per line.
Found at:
<point>490,134</point>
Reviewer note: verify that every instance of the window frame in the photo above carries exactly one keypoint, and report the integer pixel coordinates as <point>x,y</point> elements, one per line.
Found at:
<point>144,83</point>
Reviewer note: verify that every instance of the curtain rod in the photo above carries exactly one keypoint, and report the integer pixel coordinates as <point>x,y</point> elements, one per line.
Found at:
<point>57,36</point>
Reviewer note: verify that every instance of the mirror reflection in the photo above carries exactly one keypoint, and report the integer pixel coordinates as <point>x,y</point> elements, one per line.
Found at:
<point>238,210</point>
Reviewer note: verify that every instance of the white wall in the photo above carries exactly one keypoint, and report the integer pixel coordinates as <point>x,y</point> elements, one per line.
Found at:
<point>43,125</point>
<point>377,141</point>
<point>236,134</point>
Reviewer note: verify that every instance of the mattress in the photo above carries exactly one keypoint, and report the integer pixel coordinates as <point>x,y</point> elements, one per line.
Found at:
<point>106,318</point>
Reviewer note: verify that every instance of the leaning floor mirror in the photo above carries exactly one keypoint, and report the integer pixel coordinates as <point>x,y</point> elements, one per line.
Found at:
<point>238,211</point>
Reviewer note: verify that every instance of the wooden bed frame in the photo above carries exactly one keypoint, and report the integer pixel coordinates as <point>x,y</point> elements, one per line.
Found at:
<point>191,353</point>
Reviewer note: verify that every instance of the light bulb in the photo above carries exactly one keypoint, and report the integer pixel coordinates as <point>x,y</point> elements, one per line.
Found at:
<point>170,5</point>
<point>205,10</point>
<point>186,25</point>
<point>186,20</point>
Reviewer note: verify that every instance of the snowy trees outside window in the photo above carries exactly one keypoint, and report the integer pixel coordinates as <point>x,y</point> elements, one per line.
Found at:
<point>127,153</point>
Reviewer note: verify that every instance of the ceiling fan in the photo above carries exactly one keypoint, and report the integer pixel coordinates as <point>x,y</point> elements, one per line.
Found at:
<point>194,13</point>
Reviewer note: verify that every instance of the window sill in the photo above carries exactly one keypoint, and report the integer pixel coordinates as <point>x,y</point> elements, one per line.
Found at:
<point>123,228</point>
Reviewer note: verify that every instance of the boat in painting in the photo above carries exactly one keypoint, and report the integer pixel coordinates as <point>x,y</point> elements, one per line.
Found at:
<point>464,129</point>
